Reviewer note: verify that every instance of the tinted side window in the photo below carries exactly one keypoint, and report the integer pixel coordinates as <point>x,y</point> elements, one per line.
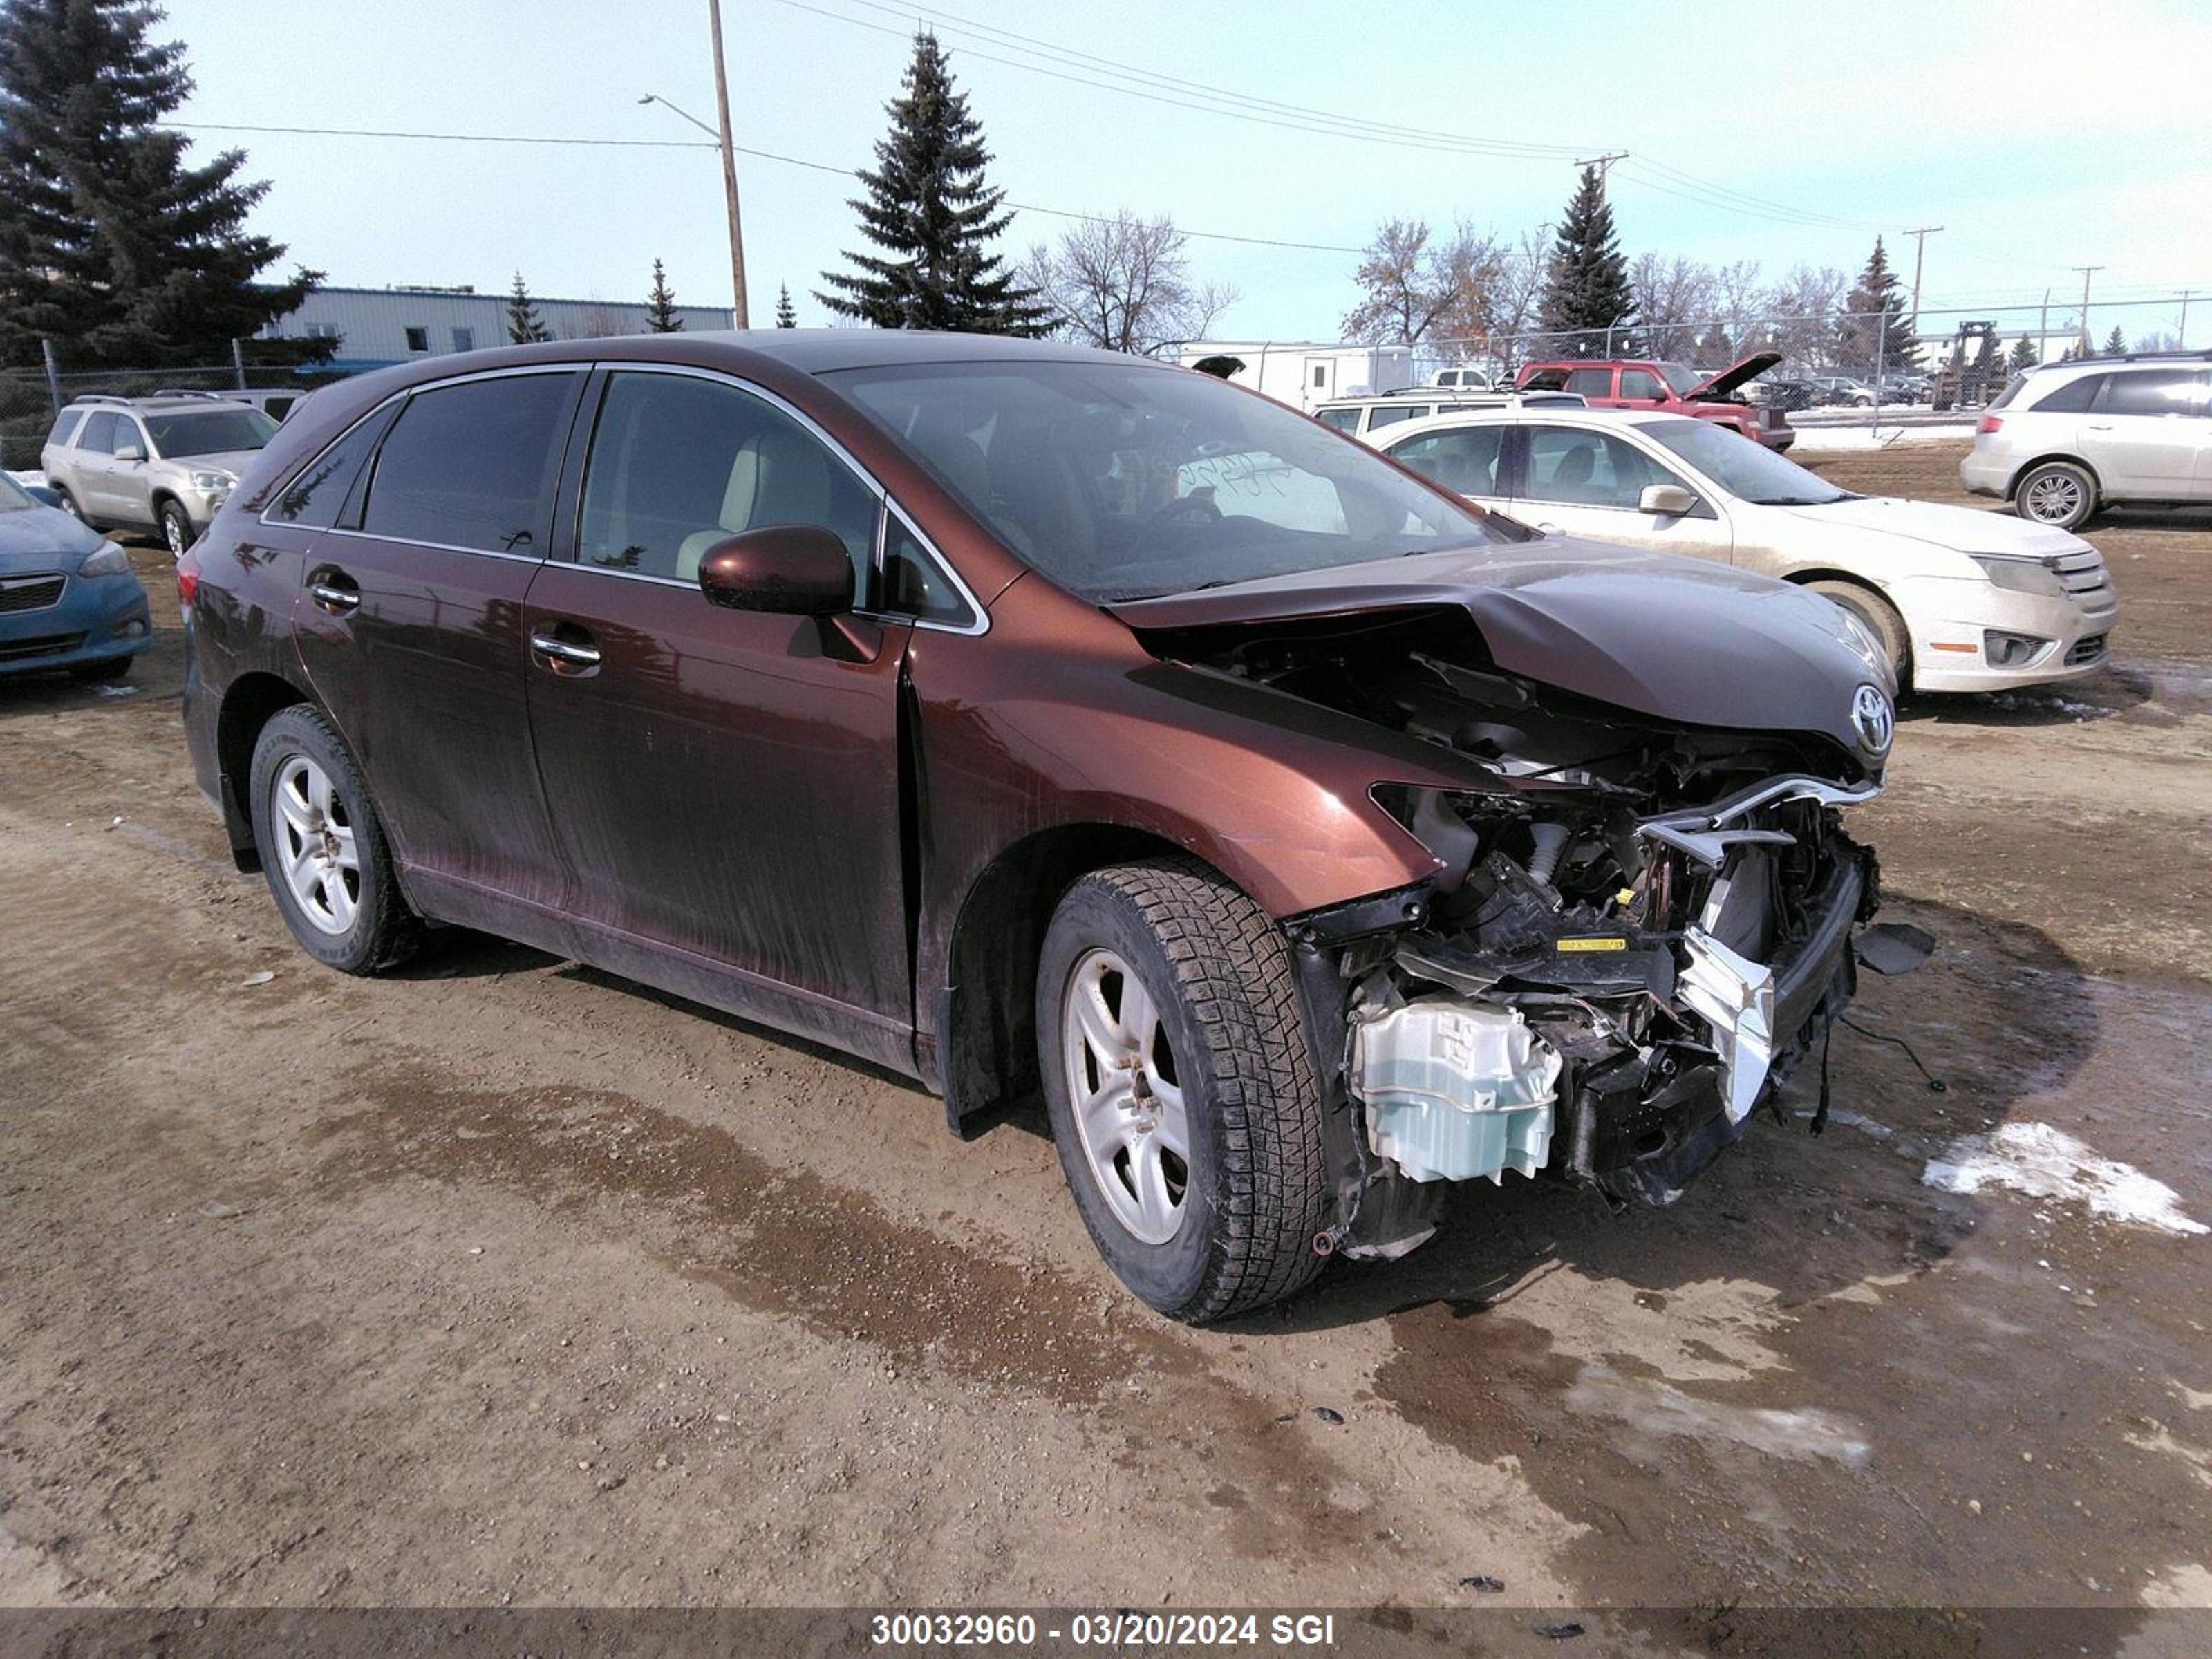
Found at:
<point>314,497</point>
<point>1340,420</point>
<point>63,426</point>
<point>2147,391</point>
<point>1389,415</point>
<point>678,464</point>
<point>914,583</point>
<point>99,436</point>
<point>1465,460</point>
<point>2072,398</point>
<point>1588,469</point>
<point>1590,382</point>
<point>470,466</point>
<point>1641,383</point>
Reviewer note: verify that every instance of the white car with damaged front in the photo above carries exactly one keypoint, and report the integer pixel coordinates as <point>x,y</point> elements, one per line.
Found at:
<point>1959,599</point>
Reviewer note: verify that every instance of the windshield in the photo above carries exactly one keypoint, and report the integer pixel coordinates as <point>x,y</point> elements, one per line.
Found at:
<point>12,496</point>
<point>1750,471</point>
<point>1684,379</point>
<point>209,432</point>
<point>1128,481</point>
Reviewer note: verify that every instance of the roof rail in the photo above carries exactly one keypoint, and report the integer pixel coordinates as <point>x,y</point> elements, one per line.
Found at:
<point>2193,356</point>
<point>101,398</point>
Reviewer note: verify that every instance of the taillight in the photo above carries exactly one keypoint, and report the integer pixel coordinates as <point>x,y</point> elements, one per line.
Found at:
<point>1990,423</point>
<point>188,577</point>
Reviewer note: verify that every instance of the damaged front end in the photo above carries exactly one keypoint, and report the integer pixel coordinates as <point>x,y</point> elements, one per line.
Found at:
<point>1638,928</point>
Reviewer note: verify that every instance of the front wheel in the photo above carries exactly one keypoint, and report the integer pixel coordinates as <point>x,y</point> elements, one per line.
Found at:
<point>1881,618</point>
<point>2058,494</point>
<point>1182,1090</point>
<point>176,530</point>
<point>323,849</point>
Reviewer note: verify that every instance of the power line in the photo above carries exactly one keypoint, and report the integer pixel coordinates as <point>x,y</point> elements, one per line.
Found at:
<point>700,143</point>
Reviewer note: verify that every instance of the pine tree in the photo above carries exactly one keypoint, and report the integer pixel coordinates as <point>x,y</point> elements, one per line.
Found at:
<point>1876,327</point>
<point>660,316</point>
<point>2116,343</point>
<point>524,325</point>
<point>785,316</point>
<point>1586,286</point>
<point>928,207</point>
<point>111,244</point>
<point>2024,356</point>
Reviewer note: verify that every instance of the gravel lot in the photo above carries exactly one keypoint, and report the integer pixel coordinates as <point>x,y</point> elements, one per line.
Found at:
<point>505,1281</point>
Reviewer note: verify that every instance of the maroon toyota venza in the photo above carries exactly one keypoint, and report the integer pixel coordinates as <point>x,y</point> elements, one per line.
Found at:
<point>1032,719</point>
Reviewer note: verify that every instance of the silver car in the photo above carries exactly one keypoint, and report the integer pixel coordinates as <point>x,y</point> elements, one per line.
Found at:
<point>2065,440</point>
<point>158,464</point>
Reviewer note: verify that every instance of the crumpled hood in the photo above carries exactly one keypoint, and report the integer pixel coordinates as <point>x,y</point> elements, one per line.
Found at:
<point>1680,640</point>
<point>44,538</point>
<point>1961,529</point>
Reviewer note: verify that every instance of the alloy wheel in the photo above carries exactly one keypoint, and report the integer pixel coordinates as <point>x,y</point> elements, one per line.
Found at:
<point>316,846</point>
<point>1128,1098</point>
<point>2054,498</point>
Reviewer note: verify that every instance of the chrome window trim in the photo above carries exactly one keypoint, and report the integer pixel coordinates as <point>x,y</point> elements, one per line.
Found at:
<point>980,621</point>
<point>435,547</point>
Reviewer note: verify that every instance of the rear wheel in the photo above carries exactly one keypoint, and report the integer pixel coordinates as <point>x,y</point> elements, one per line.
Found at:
<point>69,505</point>
<point>323,849</point>
<point>1183,1097</point>
<point>2057,493</point>
<point>1881,618</point>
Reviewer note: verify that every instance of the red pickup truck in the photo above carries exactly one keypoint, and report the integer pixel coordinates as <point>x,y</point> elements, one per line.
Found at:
<point>1675,388</point>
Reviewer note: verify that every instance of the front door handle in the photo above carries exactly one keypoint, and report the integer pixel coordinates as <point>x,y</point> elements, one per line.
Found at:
<point>564,656</point>
<point>333,591</point>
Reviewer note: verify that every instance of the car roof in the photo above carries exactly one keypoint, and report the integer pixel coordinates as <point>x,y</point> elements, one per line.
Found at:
<point>1545,413</point>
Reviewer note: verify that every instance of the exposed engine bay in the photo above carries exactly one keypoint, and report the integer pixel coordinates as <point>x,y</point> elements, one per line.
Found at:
<point>1637,930</point>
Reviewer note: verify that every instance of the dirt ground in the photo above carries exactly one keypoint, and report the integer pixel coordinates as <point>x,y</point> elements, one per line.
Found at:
<point>505,1282</point>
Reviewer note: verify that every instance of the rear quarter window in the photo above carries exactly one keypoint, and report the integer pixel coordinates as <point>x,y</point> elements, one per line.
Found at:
<point>65,426</point>
<point>2072,398</point>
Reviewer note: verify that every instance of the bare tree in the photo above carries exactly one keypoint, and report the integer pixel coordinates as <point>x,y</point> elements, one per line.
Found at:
<point>1124,285</point>
<point>1415,287</point>
<point>1518,293</point>
<point>1673,296</point>
<point>1802,310</point>
<point>1739,301</point>
<point>601,321</point>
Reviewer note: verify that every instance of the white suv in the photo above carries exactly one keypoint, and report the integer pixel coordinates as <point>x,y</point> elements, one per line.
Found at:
<point>2065,440</point>
<point>160,463</point>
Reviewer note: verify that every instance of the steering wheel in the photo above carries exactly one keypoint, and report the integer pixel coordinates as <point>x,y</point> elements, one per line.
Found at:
<point>1199,505</point>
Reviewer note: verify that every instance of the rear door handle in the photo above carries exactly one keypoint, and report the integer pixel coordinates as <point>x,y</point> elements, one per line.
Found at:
<point>565,656</point>
<point>333,591</point>
<point>2100,426</point>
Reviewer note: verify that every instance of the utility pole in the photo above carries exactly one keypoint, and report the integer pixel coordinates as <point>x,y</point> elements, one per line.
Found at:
<point>1919,251</point>
<point>1604,163</point>
<point>739,312</point>
<point>2182,339</point>
<point>2088,341</point>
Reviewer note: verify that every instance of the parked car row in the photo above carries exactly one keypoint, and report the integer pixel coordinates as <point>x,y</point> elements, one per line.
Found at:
<point>1674,388</point>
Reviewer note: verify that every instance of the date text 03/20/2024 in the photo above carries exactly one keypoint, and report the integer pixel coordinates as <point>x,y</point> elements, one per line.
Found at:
<point>1301,1630</point>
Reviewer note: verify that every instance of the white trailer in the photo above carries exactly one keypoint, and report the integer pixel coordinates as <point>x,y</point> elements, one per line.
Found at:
<point>1306,373</point>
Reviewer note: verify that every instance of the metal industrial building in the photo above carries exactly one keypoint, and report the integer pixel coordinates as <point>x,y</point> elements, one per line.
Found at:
<point>376,326</point>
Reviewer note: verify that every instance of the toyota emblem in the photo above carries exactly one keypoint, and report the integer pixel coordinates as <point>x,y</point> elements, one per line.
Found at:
<point>1874,717</point>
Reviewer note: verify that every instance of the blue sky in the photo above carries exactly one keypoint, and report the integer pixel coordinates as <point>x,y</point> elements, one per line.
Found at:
<point>2041,134</point>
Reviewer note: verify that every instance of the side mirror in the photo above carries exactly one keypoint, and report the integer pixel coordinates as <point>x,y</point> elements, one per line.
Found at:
<point>43,495</point>
<point>791,569</point>
<point>130,453</point>
<point>1665,500</point>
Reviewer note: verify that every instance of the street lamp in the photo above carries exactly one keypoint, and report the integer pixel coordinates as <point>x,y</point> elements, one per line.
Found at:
<point>739,315</point>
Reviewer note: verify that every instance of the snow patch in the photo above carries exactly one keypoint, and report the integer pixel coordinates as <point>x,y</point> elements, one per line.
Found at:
<point>116,691</point>
<point>1655,1409</point>
<point>2043,1162</point>
<point>1827,440</point>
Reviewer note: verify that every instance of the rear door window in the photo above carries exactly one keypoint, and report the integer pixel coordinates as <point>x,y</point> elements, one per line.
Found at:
<point>1390,414</point>
<point>1340,420</point>
<point>1590,382</point>
<point>2152,391</point>
<point>471,466</point>
<point>1464,460</point>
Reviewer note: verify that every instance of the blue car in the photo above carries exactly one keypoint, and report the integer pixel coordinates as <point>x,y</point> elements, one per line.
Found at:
<point>68,598</point>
